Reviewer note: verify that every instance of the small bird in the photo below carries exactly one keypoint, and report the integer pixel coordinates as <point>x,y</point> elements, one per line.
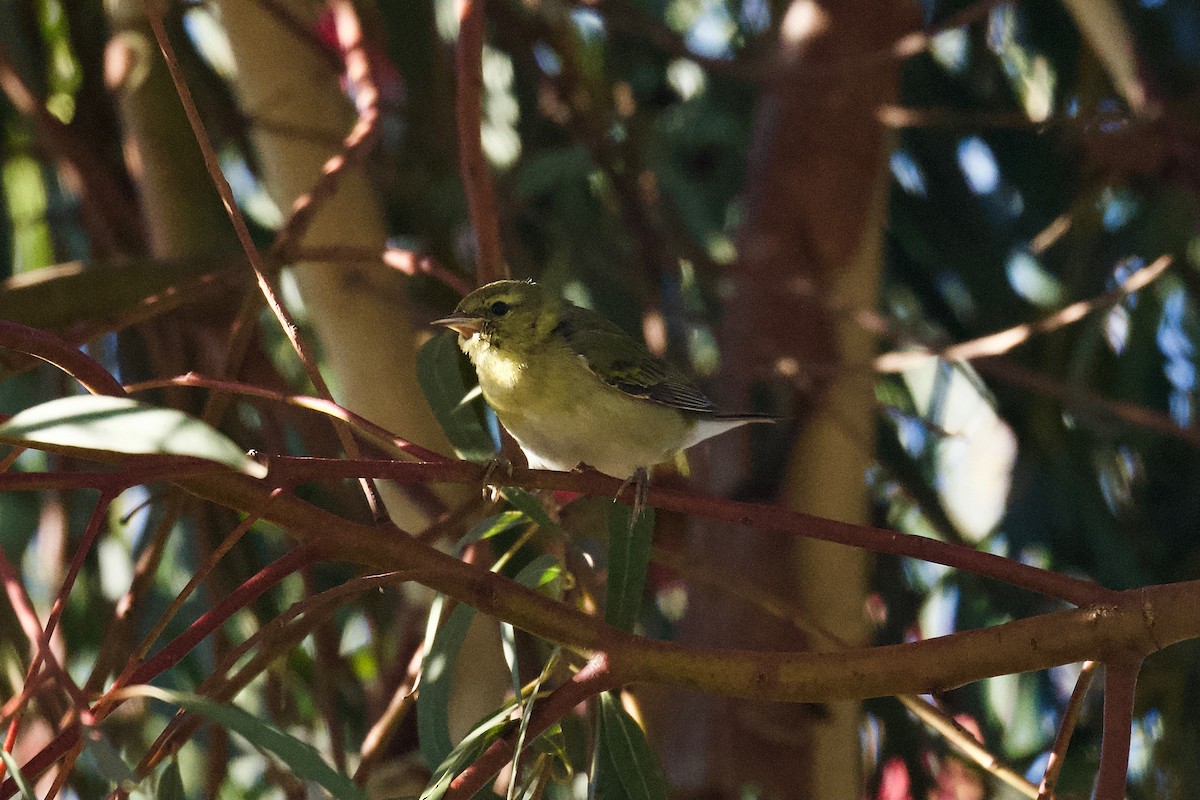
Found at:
<point>574,389</point>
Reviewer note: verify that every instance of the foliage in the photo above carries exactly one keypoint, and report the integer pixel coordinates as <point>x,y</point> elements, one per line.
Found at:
<point>1042,186</point>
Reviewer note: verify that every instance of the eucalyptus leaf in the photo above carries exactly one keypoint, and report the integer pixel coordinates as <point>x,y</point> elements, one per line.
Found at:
<point>492,526</point>
<point>470,748</point>
<point>627,767</point>
<point>170,783</point>
<point>446,378</point>
<point>300,757</point>
<point>543,574</point>
<point>96,426</point>
<point>107,760</point>
<point>628,562</point>
<point>437,685</point>
<point>529,505</point>
<point>14,769</point>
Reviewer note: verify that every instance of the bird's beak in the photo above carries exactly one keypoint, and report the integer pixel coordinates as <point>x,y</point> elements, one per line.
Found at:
<point>463,326</point>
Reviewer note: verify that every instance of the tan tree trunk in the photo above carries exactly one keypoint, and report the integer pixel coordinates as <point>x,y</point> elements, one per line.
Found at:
<point>357,309</point>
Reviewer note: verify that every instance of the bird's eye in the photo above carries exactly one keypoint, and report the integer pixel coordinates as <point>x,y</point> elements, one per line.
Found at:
<point>499,308</point>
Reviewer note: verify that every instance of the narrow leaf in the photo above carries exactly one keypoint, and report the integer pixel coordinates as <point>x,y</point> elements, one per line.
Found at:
<point>170,783</point>
<point>107,760</point>
<point>97,427</point>
<point>469,749</point>
<point>492,526</point>
<point>300,757</point>
<point>437,684</point>
<point>14,769</point>
<point>626,755</point>
<point>529,505</point>
<point>628,560</point>
<point>543,574</point>
<point>446,377</point>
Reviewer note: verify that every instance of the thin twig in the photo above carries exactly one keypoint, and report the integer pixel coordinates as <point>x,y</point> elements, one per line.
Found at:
<point>1003,341</point>
<point>356,143</point>
<point>468,114</point>
<point>282,633</point>
<point>1058,751</point>
<point>374,744</point>
<point>99,515</point>
<point>378,436</point>
<point>62,354</point>
<point>257,263</point>
<point>404,261</point>
<point>766,518</point>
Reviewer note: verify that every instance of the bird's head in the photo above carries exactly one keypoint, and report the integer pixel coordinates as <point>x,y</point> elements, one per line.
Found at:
<point>504,313</point>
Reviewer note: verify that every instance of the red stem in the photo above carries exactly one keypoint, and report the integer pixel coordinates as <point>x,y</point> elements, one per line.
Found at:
<point>765,518</point>
<point>1120,681</point>
<point>594,678</point>
<point>468,114</point>
<point>60,353</point>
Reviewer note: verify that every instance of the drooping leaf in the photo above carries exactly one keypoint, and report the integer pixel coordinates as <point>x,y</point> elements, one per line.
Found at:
<point>626,765</point>
<point>446,378</point>
<point>107,760</point>
<point>469,749</point>
<point>300,758</point>
<point>543,574</point>
<point>628,560</point>
<point>437,684</point>
<point>98,427</point>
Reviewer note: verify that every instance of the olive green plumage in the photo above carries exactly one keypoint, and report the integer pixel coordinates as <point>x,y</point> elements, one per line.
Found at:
<point>573,388</point>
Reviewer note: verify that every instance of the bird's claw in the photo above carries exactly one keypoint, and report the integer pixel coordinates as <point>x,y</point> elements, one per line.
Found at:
<point>640,481</point>
<point>491,492</point>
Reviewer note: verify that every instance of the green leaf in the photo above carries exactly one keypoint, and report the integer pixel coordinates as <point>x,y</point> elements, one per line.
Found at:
<point>628,560</point>
<point>446,378</point>
<point>437,683</point>
<point>97,427</point>
<point>14,769</point>
<point>170,783</point>
<point>300,757</point>
<point>470,748</point>
<point>529,505</point>
<point>543,574</point>
<point>626,766</point>
<point>492,526</point>
<point>107,760</point>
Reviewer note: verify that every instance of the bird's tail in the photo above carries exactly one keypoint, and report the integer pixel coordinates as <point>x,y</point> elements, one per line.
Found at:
<point>715,425</point>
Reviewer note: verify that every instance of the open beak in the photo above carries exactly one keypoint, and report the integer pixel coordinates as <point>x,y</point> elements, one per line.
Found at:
<point>463,326</point>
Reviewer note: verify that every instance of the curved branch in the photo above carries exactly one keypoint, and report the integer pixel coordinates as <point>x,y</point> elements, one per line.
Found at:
<point>62,354</point>
<point>1140,621</point>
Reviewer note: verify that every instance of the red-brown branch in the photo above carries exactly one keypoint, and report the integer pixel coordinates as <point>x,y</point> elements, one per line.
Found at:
<point>468,114</point>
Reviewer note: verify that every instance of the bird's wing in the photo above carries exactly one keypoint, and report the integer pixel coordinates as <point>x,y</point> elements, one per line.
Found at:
<point>624,363</point>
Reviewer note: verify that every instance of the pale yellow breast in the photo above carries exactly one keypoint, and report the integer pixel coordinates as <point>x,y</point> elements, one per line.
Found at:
<point>563,415</point>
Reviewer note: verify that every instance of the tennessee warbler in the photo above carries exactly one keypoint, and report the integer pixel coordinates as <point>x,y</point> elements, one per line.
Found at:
<point>573,388</point>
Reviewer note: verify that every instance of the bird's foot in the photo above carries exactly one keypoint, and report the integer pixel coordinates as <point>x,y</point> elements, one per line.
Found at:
<point>499,463</point>
<point>640,481</point>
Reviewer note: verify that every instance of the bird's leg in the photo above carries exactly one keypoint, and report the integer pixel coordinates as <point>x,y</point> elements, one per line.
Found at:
<point>640,480</point>
<point>491,492</point>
